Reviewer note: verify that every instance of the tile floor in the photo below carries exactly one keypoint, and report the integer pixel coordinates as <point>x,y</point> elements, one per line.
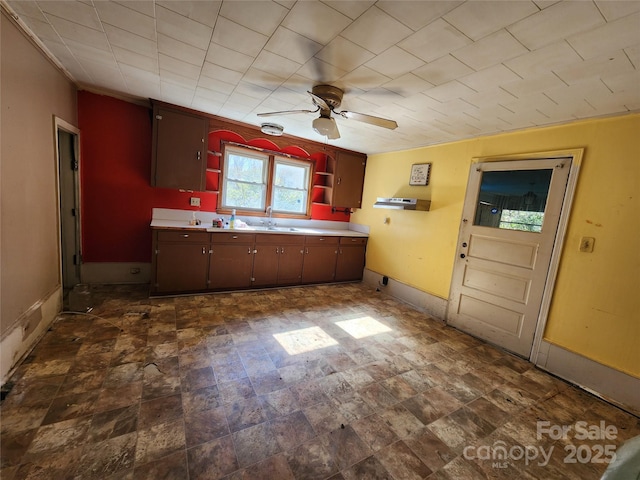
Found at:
<point>322,382</point>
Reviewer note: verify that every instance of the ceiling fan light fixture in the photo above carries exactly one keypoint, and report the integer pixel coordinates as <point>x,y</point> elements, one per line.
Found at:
<point>272,129</point>
<point>327,127</point>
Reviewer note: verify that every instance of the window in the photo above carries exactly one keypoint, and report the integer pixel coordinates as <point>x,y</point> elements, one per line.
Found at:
<point>290,186</point>
<point>253,180</point>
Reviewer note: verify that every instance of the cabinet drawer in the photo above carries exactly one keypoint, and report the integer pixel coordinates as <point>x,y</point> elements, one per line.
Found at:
<point>353,240</point>
<point>182,236</point>
<point>230,237</point>
<point>321,240</point>
<point>275,239</point>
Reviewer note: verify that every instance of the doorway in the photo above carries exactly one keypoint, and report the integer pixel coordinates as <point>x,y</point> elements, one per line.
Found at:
<point>513,223</point>
<point>67,143</point>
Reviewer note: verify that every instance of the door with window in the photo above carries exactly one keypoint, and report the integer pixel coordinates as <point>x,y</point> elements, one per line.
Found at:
<point>509,223</point>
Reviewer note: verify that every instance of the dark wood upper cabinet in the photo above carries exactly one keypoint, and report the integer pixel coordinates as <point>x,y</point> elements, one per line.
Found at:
<point>346,179</point>
<point>179,149</point>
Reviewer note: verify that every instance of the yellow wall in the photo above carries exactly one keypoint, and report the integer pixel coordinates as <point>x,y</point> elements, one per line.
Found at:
<point>596,303</point>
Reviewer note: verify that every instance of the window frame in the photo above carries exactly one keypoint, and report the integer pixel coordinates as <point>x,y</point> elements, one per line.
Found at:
<point>282,160</point>
<point>270,157</point>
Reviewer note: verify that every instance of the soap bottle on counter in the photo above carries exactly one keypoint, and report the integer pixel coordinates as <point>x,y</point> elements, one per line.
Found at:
<point>232,220</point>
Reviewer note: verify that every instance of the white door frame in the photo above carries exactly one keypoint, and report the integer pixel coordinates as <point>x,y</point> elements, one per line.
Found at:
<point>58,125</point>
<point>576,155</point>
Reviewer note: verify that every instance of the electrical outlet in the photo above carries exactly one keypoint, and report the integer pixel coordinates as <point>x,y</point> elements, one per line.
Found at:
<point>194,201</point>
<point>586,244</point>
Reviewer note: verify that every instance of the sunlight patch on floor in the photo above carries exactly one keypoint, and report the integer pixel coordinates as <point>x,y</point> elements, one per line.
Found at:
<point>304,340</point>
<point>363,327</point>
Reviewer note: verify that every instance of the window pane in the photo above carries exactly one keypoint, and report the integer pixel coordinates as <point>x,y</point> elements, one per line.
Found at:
<point>513,200</point>
<point>292,176</point>
<point>244,179</point>
<point>245,195</point>
<point>290,186</point>
<point>245,168</point>
<point>286,200</point>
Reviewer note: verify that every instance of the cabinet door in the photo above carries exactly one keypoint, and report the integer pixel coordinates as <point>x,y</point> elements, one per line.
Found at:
<point>179,156</point>
<point>350,264</point>
<point>265,265</point>
<point>319,263</point>
<point>348,180</point>
<point>230,266</point>
<point>181,267</point>
<point>290,264</point>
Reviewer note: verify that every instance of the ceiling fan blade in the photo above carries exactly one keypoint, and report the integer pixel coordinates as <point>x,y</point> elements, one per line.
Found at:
<point>319,101</point>
<point>361,117</point>
<point>286,112</point>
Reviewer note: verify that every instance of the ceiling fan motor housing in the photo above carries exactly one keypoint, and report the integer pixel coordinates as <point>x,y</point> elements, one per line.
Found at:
<point>330,94</point>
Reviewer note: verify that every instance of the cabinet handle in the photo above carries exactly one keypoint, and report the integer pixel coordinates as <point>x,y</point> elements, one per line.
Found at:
<point>235,237</point>
<point>249,250</point>
<point>199,154</point>
<point>282,250</point>
<point>339,180</point>
<point>186,235</point>
<point>321,239</point>
<point>277,252</point>
<point>203,251</point>
<point>158,117</point>
<point>340,251</point>
<point>306,251</point>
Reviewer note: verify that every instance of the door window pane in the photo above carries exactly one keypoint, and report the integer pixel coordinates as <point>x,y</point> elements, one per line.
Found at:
<point>290,186</point>
<point>513,199</point>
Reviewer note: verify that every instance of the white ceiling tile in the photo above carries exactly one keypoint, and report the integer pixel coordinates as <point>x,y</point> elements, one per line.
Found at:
<point>238,38</point>
<point>292,45</point>
<point>394,62</point>
<point>76,12</point>
<point>320,72</point>
<point>79,33</point>
<point>607,38</point>
<point>418,102</point>
<point>533,85</point>
<point>574,94</point>
<point>634,55</point>
<point>416,15</point>
<point>104,75</point>
<point>204,12</point>
<point>182,28</point>
<point>316,21</point>
<point>223,74</point>
<point>407,85</point>
<point>276,65</point>
<point>344,54</point>
<point>556,22</point>
<point>204,104</point>
<point>449,91</point>
<point>178,79</point>
<point>175,65</point>
<point>596,67</point>
<point>623,82</point>
<point>183,51</point>
<point>254,91</point>
<point>43,30</point>
<point>614,9</point>
<point>142,6</point>
<point>142,88</point>
<point>133,72</point>
<point>84,51</point>
<point>364,78</point>
<point>122,17</point>
<point>215,85</point>
<point>176,94</point>
<point>376,31</point>
<point>227,58</point>
<point>489,78</point>
<point>260,16</point>
<point>545,59</point>
<point>489,98</point>
<point>351,9</point>
<point>132,58</point>
<point>478,19</point>
<point>262,78</point>
<point>27,9</point>
<point>491,50</point>
<point>442,70</point>
<point>614,102</point>
<point>211,95</point>
<point>130,41</point>
<point>434,41</point>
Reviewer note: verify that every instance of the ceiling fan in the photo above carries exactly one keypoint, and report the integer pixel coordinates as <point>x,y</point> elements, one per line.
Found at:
<point>327,98</point>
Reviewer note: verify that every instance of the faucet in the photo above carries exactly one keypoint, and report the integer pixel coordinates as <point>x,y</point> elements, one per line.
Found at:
<point>269,212</point>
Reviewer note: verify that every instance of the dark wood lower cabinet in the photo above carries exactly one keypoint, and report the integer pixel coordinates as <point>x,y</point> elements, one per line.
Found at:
<point>200,261</point>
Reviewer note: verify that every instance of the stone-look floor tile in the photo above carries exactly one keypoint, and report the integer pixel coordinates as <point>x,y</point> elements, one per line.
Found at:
<point>430,449</point>
<point>161,378</point>
<point>399,388</point>
<point>159,410</point>
<point>214,459</point>
<point>112,398</point>
<point>275,467</point>
<point>403,423</point>
<point>20,419</point>
<point>235,391</point>
<point>82,382</point>
<point>254,444</point>
<point>57,437</point>
<point>93,361</point>
<point>375,432</point>
<point>324,417</point>
<point>309,393</point>
<point>122,374</point>
<point>62,464</point>
<point>203,399</point>
<point>245,413</point>
<point>13,447</point>
<point>71,406</point>
<point>159,441</point>
<point>369,468</point>
<point>376,396</point>
<point>171,467</point>
<point>401,462</point>
<point>197,378</point>
<point>345,447</point>
<point>279,403</point>
<point>114,423</point>
<point>107,457</point>
<point>203,426</point>
<point>311,461</point>
<point>292,430</point>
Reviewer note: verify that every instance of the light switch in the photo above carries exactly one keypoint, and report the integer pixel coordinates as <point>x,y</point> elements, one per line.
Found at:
<point>194,201</point>
<point>586,244</point>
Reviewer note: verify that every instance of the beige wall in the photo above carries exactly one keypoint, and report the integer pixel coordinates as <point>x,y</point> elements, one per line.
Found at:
<point>32,92</point>
<point>595,305</point>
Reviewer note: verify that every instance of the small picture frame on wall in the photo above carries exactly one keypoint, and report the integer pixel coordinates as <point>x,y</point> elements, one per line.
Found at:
<point>420,174</point>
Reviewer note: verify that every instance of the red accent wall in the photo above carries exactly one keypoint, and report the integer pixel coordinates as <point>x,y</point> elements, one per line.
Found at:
<point>116,195</point>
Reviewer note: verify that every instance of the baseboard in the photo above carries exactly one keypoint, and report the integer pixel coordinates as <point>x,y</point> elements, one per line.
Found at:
<point>115,273</point>
<point>27,330</point>
<point>436,307</point>
<point>608,383</point>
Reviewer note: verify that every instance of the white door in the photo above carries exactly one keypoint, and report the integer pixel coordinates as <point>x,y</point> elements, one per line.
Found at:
<point>509,223</point>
